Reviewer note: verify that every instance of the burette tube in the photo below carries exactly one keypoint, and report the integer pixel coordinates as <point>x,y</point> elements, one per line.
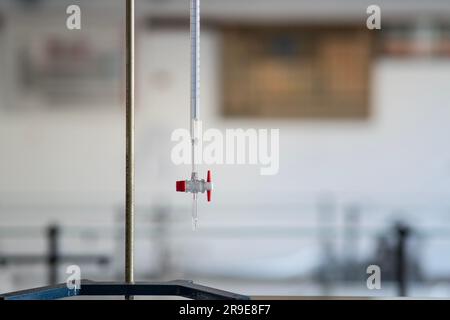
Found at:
<point>195,96</point>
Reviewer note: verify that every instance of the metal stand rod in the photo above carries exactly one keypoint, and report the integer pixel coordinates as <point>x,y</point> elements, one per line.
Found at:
<point>403,232</point>
<point>129,193</point>
<point>53,233</point>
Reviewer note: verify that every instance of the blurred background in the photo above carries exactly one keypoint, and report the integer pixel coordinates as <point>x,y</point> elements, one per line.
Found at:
<point>364,145</point>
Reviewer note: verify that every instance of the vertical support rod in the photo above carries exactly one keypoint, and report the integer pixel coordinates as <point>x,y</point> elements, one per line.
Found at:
<point>403,233</point>
<point>53,254</point>
<point>129,193</point>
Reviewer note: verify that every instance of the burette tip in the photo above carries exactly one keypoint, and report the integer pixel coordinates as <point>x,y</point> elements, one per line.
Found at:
<point>194,224</point>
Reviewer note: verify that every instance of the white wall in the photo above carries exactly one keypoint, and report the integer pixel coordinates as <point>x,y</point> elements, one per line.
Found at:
<point>76,157</point>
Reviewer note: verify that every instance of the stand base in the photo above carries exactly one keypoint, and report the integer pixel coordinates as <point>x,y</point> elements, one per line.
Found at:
<point>179,288</point>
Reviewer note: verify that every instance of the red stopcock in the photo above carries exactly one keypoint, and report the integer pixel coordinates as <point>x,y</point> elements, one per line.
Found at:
<point>195,185</point>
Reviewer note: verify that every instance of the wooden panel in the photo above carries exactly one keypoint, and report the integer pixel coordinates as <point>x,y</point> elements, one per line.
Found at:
<point>296,72</point>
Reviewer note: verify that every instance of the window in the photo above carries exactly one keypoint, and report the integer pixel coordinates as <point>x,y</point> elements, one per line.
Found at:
<point>304,72</point>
